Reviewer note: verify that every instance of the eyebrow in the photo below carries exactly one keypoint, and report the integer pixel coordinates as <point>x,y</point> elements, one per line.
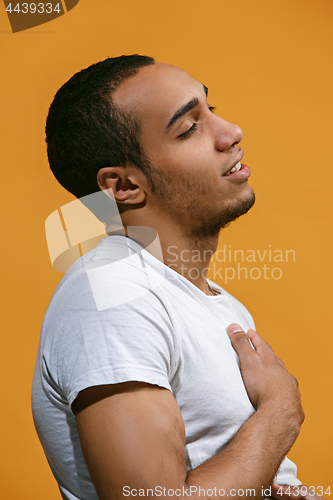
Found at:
<point>185,109</point>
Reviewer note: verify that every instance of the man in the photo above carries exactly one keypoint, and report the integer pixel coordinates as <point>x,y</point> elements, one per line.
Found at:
<point>137,378</point>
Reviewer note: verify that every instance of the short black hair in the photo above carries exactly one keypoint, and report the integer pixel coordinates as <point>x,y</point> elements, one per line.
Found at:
<point>85,131</point>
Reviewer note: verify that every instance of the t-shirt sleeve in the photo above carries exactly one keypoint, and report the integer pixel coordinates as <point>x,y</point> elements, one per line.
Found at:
<point>134,341</point>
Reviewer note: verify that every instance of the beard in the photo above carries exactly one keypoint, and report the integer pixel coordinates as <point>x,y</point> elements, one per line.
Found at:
<point>209,225</point>
<point>184,202</point>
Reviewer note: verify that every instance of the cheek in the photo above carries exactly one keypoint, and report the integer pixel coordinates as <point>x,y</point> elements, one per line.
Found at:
<point>150,147</point>
<point>184,156</point>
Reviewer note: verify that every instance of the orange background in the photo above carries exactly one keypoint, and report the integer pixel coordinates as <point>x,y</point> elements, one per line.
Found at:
<point>268,65</point>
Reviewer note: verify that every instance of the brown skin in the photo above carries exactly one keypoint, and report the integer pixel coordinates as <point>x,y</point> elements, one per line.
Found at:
<point>133,434</point>
<point>195,192</point>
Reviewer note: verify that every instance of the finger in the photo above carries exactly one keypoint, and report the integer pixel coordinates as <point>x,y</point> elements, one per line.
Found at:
<point>234,328</point>
<point>260,344</point>
<point>257,341</point>
<point>239,339</point>
<point>282,363</point>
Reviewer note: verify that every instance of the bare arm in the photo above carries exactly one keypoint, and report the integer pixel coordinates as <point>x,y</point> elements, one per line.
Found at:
<point>133,435</point>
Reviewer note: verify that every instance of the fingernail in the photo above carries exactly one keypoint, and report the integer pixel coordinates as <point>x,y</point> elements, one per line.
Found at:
<point>234,328</point>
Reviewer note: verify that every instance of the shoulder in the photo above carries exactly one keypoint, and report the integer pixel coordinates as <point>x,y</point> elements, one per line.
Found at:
<point>107,323</point>
<point>116,272</point>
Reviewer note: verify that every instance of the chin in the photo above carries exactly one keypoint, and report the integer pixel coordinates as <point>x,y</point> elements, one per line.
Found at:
<point>241,207</point>
<point>209,226</point>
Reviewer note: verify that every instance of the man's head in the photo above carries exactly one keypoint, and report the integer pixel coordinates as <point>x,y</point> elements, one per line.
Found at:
<point>85,131</point>
<point>185,151</point>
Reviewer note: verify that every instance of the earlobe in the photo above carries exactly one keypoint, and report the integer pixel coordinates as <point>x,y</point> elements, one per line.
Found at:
<point>124,183</point>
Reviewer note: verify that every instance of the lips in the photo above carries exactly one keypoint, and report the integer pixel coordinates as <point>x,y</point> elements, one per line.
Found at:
<point>238,175</point>
<point>236,166</point>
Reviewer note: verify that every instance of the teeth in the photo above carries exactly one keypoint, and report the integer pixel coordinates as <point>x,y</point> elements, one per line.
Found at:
<point>237,167</point>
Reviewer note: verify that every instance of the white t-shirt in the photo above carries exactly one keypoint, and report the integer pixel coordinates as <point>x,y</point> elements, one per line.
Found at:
<point>119,314</point>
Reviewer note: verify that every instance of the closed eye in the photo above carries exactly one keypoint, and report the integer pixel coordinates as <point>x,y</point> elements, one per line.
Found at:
<point>188,132</point>
<point>194,126</point>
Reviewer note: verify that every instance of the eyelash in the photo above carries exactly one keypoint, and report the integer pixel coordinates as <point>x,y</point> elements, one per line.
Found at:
<point>194,127</point>
<point>188,132</point>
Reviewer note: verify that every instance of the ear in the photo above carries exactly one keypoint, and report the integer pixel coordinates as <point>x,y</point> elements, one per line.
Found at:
<point>128,183</point>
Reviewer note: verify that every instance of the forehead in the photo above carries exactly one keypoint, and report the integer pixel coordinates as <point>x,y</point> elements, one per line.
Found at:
<point>156,92</point>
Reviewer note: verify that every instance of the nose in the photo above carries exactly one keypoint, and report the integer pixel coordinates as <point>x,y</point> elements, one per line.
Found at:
<point>227,134</point>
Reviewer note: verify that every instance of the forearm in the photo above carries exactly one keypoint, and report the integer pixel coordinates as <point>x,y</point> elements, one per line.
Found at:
<point>133,437</point>
<point>251,459</point>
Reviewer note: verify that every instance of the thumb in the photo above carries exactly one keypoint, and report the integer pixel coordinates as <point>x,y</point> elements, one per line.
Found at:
<point>239,340</point>
<point>234,328</point>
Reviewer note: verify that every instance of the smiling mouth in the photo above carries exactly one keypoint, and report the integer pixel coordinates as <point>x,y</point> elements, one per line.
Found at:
<point>236,168</point>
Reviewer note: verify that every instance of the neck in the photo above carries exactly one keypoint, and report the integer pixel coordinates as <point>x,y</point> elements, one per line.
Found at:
<point>186,253</point>
<point>189,257</point>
